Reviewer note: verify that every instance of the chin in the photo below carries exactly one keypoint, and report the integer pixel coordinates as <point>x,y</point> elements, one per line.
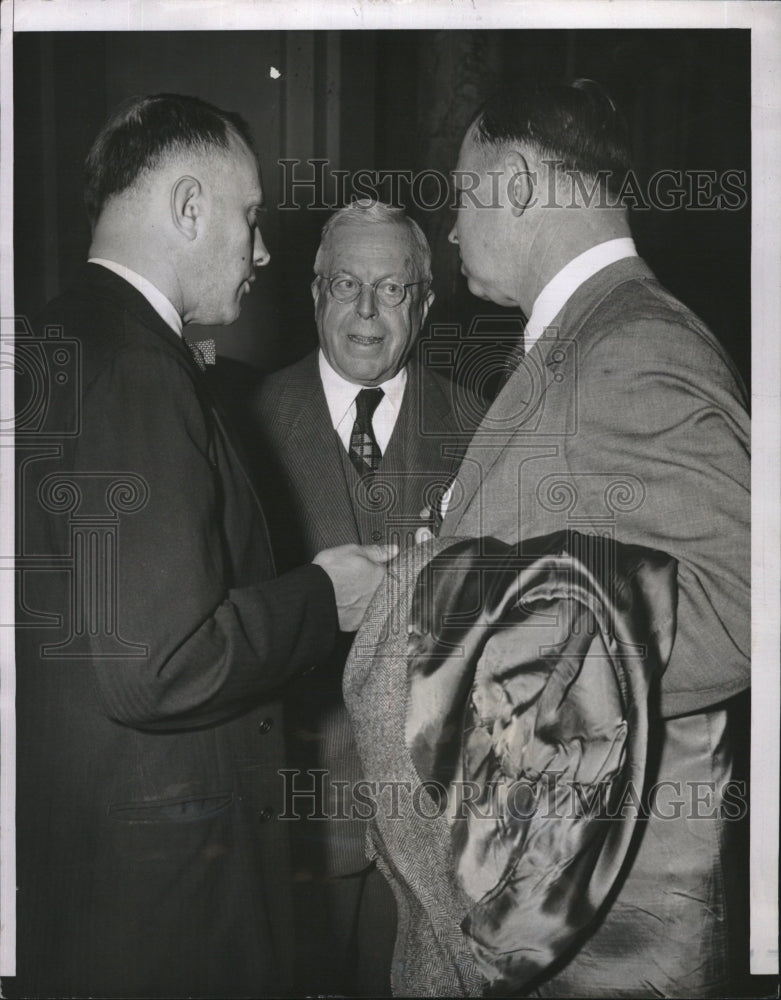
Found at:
<point>477,289</point>
<point>481,292</point>
<point>230,316</point>
<point>363,376</point>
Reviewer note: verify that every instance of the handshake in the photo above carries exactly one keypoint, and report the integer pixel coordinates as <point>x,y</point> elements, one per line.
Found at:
<point>356,572</point>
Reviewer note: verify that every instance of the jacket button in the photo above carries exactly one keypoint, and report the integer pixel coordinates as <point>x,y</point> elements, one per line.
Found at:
<point>265,725</point>
<point>376,536</point>
<point>265,814</point>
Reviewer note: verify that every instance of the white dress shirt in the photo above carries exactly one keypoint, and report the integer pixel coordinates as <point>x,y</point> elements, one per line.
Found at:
<point>563,285</point>
<point>340,396</point>
<point>161,305</point>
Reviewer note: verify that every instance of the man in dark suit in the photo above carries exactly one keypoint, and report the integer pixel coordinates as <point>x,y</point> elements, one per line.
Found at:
<point>156,635</point>
<point>625,417</point>
<point>365,439</point>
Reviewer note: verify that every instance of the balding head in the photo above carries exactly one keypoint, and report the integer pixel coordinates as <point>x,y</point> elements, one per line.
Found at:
<point>577,125</point>
<point>173,190</point>
<point>145,133</point>
<point>539,175</point>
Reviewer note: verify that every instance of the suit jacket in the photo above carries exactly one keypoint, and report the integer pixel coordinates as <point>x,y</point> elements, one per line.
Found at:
<point>153,641</point>
<point>310,504</point>
<point>628,419</point>
<point>509,706</point>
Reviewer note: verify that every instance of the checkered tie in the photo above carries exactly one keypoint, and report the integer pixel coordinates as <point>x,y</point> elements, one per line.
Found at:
<point>365,453</point>
<point>204,352</point>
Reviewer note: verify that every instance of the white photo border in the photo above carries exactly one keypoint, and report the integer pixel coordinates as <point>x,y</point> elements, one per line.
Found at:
<point>764,20</point>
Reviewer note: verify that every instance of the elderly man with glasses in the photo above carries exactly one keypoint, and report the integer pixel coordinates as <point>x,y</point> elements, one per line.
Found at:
<point>364,439</point>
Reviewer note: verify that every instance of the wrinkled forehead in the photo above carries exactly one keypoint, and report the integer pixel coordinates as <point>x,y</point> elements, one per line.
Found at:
<point>370,249</point>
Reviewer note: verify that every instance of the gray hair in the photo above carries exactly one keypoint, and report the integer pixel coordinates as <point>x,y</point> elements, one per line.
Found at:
<point>367,211</point>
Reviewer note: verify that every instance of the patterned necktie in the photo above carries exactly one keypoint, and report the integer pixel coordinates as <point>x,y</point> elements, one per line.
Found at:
<point>204,352</point>
<point>365,453</point>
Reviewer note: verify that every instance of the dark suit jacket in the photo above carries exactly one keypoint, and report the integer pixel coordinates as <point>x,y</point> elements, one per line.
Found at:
<point>628,419</point>
<point>310,507</point>
<point>150,861</point>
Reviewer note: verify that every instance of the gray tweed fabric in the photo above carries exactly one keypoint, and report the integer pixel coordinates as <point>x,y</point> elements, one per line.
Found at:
<point>432,956</point>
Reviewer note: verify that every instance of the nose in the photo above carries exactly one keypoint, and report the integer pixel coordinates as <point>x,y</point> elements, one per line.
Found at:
<point>260,255</point>
<point>367,306</point>
<point>452,236</point>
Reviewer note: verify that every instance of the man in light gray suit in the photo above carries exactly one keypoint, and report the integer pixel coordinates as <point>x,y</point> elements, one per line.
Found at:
<point>363,438</point>
<point>625,417</point>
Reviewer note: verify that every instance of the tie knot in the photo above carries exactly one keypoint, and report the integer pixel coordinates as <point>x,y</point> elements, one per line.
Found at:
<point>204,352</point>
<point>366,402</point>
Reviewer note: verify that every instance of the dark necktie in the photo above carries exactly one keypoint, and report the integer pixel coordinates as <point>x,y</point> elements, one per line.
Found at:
<point>365,453</point>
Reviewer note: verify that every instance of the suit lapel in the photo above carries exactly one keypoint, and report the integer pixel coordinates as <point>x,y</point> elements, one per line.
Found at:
<point>312,450</point>
<point>548,367</point>
<point>519,405</point>
<point>430,425</point>
<point>421,446</point>
<point>135,303</point>
<point>129,299</point>
<point>109,285</point>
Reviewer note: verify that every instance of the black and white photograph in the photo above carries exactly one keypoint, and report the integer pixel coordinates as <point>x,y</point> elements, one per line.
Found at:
<point>390,523</point>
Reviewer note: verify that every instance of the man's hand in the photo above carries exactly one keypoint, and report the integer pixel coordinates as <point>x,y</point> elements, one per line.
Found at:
<point>355,571</point>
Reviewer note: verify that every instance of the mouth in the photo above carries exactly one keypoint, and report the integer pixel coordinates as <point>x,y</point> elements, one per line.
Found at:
<point>356,338</point>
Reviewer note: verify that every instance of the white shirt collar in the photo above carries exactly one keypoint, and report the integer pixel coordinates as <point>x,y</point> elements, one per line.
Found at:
<point>563,285</point>
<point>340,397</point>
<point>161,305</point>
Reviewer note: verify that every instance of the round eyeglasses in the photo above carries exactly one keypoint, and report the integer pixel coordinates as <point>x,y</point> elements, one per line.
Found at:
<point>389,291</point>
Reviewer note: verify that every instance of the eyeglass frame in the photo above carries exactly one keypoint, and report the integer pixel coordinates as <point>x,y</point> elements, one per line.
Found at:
<point>371,284</point>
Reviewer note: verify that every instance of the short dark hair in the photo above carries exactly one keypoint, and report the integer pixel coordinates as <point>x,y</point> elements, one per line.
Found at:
<point>142,131</point>
<point>577,123</point>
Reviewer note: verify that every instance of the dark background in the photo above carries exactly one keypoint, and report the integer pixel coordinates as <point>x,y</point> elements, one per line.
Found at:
<point>385,100</point>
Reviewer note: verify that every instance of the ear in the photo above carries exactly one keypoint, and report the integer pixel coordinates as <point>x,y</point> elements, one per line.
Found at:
<point>315,286</point>
<point>426,305</point>
<point>187,206</point>
<point>520,181</point>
